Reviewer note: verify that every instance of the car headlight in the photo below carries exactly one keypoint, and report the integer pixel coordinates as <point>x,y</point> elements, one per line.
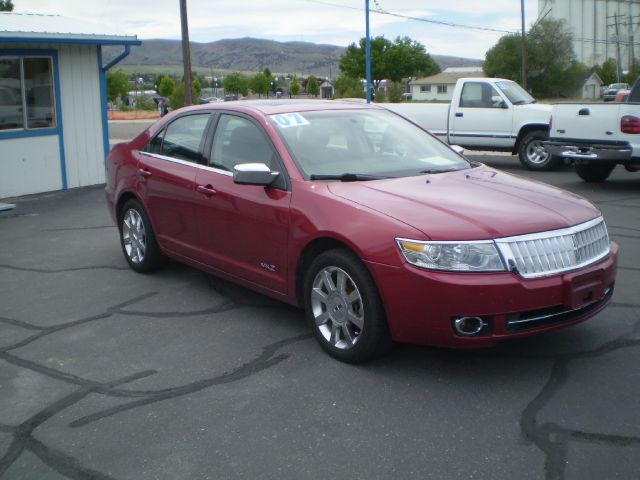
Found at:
<point>481,256</point>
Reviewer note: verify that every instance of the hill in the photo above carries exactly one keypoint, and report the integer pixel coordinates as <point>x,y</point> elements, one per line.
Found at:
<point>252,55</point>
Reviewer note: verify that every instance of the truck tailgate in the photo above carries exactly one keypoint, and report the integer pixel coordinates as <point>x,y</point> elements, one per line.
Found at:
<point>585,121</point>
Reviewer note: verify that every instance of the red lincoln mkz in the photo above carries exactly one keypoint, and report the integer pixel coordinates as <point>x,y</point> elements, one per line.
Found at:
<point>379,230</point>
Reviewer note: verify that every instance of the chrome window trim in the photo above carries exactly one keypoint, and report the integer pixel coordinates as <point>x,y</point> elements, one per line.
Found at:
<point>184,162</point>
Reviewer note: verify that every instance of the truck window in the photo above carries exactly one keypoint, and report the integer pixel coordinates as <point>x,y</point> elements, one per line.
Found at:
<point>479,95</point>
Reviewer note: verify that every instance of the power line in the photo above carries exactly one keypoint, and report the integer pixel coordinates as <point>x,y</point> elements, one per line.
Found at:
<point>381,11</point>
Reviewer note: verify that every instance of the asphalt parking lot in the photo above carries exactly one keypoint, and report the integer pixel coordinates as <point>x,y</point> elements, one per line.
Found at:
<point>108,374</point>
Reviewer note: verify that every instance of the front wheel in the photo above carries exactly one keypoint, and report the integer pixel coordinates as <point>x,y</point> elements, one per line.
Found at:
<point>344,308</point>
<point>594,173</point>
<point>137,239</point>
<point>532,153</point>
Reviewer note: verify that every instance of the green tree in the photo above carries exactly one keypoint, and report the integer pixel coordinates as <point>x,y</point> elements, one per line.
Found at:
<point>6,6</point>
<point>273,81</point>
<point>393,60</point>
<point>176,99</point>
<point>504,59</point>
<point>634,72</point>
<point>166,86</point>
<point>294,86</point>
<point>117,84</point>
<point>260,83</point>
<point>236,83</point>
<point>196,88</point>
<point>395,92</point>
<point>408,58</point>
<point>347,87</point>
<point>552,68</point>
<point>312,86</point>
<point>608,71</point>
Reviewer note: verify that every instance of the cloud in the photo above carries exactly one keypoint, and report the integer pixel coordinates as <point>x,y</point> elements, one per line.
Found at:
<point>301,20</point>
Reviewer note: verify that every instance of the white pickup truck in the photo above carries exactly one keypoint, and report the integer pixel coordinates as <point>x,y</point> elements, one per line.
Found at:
<point>488,114</point>
<point>598,136</point>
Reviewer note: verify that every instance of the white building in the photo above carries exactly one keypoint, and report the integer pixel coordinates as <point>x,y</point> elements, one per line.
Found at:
<point>601,28</point>
<point>439,87</point>
<point>53,118</point>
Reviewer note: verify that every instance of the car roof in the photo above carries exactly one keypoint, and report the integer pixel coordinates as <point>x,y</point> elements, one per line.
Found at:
<point>271,107</point>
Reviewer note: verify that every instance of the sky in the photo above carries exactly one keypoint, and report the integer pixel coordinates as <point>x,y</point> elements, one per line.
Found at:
<point>337,22</point>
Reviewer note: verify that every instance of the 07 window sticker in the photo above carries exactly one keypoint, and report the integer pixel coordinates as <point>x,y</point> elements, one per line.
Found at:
<point>288,120</point>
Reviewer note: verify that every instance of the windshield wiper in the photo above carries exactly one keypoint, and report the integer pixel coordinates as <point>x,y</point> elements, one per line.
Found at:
<point>347,177</point>
<point>438,170</point>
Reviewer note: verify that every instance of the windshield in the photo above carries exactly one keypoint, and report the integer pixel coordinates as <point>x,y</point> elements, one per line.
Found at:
<point>515,93</point>
<point>363,144</point>
<point>617,86</point>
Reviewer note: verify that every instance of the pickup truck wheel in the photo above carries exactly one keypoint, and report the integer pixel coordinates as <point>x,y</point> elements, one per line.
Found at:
<point>532,153</point>
<point>594,173</point>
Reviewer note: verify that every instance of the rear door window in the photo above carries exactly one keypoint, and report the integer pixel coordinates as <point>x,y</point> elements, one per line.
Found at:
<point>183,138</point>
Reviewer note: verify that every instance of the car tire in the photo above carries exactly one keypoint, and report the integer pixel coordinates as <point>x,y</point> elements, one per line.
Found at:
<point>344,308</point>
<point>532,153</point>
<point>594,173</point>
<point>137,238</point>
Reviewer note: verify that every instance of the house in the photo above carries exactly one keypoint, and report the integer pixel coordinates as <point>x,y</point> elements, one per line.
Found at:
<point>440,86</point>
<point>591,85</point>
<point>53,102</point>
<point>326,88</point>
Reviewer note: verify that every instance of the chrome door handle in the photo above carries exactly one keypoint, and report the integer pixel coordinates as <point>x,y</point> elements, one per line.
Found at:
<point>144,172</point>
<point>208,190</point>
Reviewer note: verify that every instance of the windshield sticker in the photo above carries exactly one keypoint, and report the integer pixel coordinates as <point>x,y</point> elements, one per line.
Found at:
<point>287,120</point>
<point>502,85</point>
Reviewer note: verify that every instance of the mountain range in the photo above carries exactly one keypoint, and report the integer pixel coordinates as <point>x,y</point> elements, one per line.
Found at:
<point>253,54</point>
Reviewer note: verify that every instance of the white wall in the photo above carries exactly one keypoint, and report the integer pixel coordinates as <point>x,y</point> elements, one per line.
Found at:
<point>81,115</point>
<point>592,23</point>
<point>416,94</point>
<point>32,164</point>
<point>29,165</point>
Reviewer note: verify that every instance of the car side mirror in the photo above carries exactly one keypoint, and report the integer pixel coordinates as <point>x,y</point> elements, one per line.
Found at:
<point>254,174</point>
<point>498,102</point>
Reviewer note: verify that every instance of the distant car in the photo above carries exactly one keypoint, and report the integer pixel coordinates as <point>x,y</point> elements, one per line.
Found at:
<point>609,94</point>
<point>373,225</point>
<point>407,96</point>
<point>622,96</point>
<point>213,100</point>
<point>230,98</point>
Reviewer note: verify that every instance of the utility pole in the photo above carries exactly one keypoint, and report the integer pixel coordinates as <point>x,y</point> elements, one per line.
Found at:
<point>618,66</point>
<point>186,53</point>
<point>524,49</point>
<point>367,54</point>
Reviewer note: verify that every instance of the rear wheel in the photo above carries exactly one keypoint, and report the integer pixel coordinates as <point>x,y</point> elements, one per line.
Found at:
<point>344,308</point>
<point>532,153</point>
<point>594,173</point>
<point>137,239</point>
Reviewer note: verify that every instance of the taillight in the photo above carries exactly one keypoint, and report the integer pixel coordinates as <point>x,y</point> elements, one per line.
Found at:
<point>630,124</point>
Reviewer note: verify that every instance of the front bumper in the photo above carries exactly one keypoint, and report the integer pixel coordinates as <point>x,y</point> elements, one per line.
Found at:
<point>421,304</point>
<point>589,151</point>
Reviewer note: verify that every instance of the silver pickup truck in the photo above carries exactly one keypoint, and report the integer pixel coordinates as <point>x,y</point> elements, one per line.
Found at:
<point>597,136</point>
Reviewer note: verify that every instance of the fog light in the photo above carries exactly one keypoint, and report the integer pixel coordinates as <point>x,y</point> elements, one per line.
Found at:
<point>468,326</point>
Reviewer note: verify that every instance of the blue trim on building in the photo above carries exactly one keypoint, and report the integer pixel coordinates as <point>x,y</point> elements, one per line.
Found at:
<point>58,130</point>
<point>125,53</point>
<point>68,41</point>
<point>102,74</point>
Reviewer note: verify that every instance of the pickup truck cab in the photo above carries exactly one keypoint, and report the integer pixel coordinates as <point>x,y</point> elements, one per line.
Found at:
<point>488,114</point>
<point>598,136</point>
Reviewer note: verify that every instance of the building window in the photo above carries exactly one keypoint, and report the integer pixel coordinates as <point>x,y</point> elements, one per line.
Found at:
<point>442,89</point>
<point>425,88</point>
<point>26,93</point>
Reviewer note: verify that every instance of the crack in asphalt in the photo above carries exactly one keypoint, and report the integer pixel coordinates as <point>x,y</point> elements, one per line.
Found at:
<point>61,270</point>
<point>73,229</point>
<point>552,439</point>
<point>22,435</point>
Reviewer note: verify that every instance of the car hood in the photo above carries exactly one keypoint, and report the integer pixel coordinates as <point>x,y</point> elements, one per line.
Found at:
<point>472,204</point>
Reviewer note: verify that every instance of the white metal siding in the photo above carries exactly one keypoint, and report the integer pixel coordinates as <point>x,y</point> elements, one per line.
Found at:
<point>29,165</point>
<point>81,114</point>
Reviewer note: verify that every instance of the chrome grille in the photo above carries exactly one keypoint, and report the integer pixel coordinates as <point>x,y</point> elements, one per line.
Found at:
<point>548,253</point>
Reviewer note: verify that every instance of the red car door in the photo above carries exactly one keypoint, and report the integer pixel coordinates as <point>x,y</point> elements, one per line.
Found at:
<point>167,170</point>
<point>243,228</point>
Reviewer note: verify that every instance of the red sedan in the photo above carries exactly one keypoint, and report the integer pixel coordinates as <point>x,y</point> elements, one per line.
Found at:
<point>379,230</point>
